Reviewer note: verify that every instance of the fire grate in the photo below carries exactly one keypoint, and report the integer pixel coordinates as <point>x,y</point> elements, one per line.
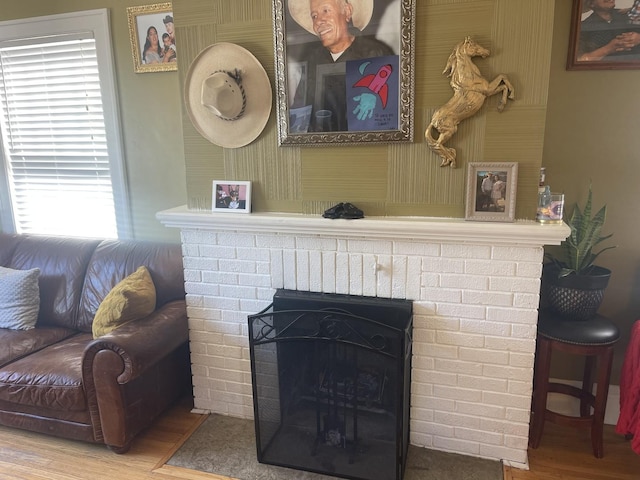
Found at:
<point>331,383</point>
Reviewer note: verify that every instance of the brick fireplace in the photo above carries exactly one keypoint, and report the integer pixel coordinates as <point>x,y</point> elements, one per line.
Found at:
<point>474,287</point>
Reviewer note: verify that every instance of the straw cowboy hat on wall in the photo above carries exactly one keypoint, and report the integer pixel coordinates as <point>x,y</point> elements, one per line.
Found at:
<point>228,95</point>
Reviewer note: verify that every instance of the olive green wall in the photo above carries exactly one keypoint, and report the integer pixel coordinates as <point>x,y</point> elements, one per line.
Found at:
<point>398,179</point>
<point>591,136</point>
<point>150,113</point>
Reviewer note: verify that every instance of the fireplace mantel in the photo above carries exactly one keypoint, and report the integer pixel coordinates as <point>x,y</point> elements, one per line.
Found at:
<point>522,232</point>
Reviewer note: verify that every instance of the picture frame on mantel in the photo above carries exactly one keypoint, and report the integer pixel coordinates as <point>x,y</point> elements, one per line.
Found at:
<point>152,37</point>
<point>365,95</point>
<point>230,196</point>
<point>604,38</point>
<point>491,191</point>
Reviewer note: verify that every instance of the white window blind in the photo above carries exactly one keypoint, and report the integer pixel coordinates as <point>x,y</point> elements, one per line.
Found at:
<point>61,163</point>
<point>54,137</point>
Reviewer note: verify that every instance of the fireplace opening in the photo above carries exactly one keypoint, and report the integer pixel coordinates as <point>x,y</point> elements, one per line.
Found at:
<point>331,383</point>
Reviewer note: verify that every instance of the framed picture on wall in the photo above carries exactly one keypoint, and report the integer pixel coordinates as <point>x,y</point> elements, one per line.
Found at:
<point>491,191</point>
<point>230,196</point>
<point>346,85</point>
<point>153,39</point>
<point>605,35</point>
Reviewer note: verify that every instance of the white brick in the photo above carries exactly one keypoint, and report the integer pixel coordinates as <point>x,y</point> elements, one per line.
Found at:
<point>454,445</point>
<point>443,265</point>
<point>460,339</point>
<point>441,295</point>
<point>474,297</point>
<point>525,360</point>
<point>462,311</point>
<point>277,269</point>
<point>316,244</point>
<point>511,373</point>
<point>255,254</point>
<point>510,344</point>
<point>482,327</point>
<point>457,393</point>
<point>524,331</point>
<point>289,269</point>
<point>526,300</point>
<point>329,272</point>
<point>315,271</point>
<point>513,315</point>
<point>382,247</point>
<point>216,251</point>
<point>474,282</point>
<point>369,275</point>
<point>440,323</point>
<point>484,356</point>
<point>399,277</point>
<point>520,254</point>
<point>236,239</point>
<point>478,436</point>
<point>457,420</point>
<point>355,274</point>
<point>530,270</point>
<point>478,382</point>
<point>466,251</point>
<point>275,241</point>
<point>254,280</point>
<point>414,267</point>
<point>511,284</point>
<point>237,266</point>
<point>456,366</point>
<point>490,268</point>
<point>234,291</point>
<point>417,249</point>
<point>432,280</point>
<point>342,273</point>
<point>383,284</point>
<point>481,410</point>
<point>437,378</point>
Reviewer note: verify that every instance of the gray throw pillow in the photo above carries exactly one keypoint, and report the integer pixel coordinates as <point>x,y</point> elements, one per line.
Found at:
<point>19,298</point>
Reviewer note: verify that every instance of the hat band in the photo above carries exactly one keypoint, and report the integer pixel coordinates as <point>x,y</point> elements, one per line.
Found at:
<point>237,77</point>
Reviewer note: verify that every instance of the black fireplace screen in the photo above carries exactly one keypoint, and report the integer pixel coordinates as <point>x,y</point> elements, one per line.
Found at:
<point>331,380</point>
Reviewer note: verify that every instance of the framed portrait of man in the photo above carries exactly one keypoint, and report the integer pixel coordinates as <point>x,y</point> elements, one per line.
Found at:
<point>344,71</point>
<point>605,35</point>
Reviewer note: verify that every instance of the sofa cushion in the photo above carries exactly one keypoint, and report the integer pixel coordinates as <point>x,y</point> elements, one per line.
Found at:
<point>63,263</point>
<point>131,299</point>
<point>8,244</point>
<point>113,260</point>
<point>19,298</point>
<point>20,343</point>
<point>49,378</point>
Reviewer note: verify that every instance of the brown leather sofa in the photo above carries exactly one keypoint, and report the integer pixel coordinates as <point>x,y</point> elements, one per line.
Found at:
<point>56,378</point>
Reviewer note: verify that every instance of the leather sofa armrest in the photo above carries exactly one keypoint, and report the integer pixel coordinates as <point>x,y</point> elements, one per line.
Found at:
<point>115,359</point>
<point>143,342</point>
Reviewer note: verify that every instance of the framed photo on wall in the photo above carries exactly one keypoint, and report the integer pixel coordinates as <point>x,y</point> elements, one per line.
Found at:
<point>230,196</point>
<point>491,191</point>
<point>153,39</point>
<point>605,35</point>
<point>345,85</point>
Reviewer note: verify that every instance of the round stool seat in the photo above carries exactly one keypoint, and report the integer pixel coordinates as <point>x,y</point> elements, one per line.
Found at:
<point>597,331</point>
<point>592,339</point>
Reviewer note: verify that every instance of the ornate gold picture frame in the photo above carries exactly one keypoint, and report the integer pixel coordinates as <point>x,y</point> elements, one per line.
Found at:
<point>363,94</point>
<point>491,191</point>
<point>152,35</point>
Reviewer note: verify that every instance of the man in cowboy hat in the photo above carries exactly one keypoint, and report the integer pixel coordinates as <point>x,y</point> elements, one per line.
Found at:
<point>337,24</point>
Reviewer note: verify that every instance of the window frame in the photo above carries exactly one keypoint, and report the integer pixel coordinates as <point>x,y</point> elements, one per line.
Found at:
<point>96,21</point>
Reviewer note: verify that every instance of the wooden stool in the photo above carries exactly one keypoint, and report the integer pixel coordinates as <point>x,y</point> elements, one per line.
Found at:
<point>593,339</point>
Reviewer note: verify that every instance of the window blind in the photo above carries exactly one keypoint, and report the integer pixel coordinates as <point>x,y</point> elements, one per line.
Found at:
<point>54,138</point>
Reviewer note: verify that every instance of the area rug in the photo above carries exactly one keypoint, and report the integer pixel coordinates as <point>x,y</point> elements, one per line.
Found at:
<point>226,446</point>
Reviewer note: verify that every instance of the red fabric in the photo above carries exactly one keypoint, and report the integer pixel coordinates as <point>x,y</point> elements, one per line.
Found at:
<point>629,420</point>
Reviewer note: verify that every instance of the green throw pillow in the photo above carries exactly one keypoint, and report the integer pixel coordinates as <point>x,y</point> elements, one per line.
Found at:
<point>131,299</point>
<point>19,298</point>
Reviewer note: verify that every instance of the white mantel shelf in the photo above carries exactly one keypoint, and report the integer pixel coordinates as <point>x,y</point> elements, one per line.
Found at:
<point>457,230</point>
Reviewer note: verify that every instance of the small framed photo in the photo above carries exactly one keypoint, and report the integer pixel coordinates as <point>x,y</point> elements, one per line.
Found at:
<point>153,38</point>
<point>231,196</point>
<point>491,192</point>
<point>605,35</point>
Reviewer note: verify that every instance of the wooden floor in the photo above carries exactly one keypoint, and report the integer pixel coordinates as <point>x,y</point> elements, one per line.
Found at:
<point>564,454</point>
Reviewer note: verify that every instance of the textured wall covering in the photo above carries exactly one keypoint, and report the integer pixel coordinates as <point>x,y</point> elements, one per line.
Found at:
<point>397,179</point>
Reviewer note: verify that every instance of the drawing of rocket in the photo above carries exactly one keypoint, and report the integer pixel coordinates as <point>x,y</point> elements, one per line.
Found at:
<point>376,83</point>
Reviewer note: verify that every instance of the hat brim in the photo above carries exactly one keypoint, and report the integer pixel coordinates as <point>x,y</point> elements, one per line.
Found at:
<point>229,133</point>
<point>300,12</point>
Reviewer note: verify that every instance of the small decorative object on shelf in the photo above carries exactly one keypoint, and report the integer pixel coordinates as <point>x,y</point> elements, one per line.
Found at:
<point>550,205</point>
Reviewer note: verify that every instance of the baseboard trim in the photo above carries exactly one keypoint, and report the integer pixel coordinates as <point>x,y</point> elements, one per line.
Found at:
<point>567,405</point>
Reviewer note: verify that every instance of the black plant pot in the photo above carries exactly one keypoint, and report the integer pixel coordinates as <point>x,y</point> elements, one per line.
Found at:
<point>574,297</point>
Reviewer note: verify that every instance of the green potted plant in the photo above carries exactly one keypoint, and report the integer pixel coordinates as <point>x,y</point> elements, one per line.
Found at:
<point>572,285</point>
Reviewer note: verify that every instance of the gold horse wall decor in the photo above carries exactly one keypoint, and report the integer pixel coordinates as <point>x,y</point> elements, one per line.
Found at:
<point>470,89</point>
